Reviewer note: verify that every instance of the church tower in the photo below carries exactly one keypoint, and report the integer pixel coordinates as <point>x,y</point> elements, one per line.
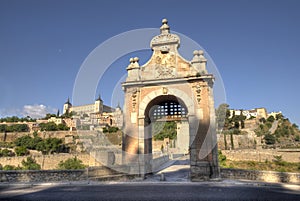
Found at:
<point>67,106</point>
<point>98,105</point>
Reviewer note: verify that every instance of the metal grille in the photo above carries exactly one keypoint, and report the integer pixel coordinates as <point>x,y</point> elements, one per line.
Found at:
<point>169,110</point>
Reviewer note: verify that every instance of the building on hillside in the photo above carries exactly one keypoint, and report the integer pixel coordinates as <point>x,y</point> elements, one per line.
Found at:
<point>96,114</point>
<point>56,120</point>
<point>96,107</point>
<point>71,123</point>
<point>257,113</point>
<point>274,114</point>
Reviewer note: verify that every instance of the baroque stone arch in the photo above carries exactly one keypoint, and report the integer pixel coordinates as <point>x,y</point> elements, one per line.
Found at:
<point>169,77</point>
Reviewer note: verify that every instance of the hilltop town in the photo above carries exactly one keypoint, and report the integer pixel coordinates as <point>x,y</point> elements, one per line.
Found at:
<point>239,131</point>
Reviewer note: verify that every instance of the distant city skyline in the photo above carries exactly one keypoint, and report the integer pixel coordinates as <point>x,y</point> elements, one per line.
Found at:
<point>254,44</point>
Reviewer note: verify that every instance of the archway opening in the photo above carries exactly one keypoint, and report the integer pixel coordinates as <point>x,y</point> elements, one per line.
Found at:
<point>166,126</point>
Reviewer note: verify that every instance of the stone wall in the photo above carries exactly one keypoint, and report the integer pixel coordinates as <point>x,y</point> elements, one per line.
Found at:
<point>49,162</point>
<point>245,141</point>
<point>262,155</point>
<point>42,176</point>
<point>10,137</point>
<point>158,162</point>
<point>56,175</point>
<point>264,176</point>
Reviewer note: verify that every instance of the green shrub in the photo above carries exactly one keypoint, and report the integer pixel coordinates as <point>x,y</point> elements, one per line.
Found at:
<point>270,139</point>
<point>46,146</point>
<point>21,151</point>
<point>71,164</point>
<point>222,159</point>
<point>11,167</point>
<point>6,153</point>
<point>165,130</point>
<point>30,164</point>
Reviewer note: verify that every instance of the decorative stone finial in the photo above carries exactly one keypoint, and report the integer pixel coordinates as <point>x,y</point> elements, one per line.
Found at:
<point>198,56</point>
<point>199,61</point>
<point>134,63</point>
<point>164,29</point>
<point>165,40</point>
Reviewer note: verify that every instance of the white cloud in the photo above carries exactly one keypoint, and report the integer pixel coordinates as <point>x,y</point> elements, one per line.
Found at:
<point>34,111</point>
<point>37,111</point>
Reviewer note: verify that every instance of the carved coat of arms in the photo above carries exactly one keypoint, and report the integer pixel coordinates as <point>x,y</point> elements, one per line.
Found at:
<point>165,66</point>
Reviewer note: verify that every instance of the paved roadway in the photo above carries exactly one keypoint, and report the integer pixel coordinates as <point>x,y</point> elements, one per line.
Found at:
<point>175,187</point>
<point>226,190</point>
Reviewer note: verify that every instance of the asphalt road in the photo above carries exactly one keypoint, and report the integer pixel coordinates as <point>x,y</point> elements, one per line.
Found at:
<point>151,191</point>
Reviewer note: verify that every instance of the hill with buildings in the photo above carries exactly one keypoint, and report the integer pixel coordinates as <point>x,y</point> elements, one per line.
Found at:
<point>255,128</point>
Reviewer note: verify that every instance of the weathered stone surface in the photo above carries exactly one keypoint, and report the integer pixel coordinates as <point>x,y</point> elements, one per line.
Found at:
<point>166,77</point>
<point>265,176</point>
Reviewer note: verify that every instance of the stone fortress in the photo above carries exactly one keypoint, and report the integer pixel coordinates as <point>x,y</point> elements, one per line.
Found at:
<point>96,114</point>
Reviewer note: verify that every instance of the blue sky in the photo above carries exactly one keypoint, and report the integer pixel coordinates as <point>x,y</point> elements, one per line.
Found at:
<point>254,44</point>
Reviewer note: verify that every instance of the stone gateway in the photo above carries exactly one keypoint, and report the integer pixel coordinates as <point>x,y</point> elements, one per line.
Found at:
<point>170,88</point>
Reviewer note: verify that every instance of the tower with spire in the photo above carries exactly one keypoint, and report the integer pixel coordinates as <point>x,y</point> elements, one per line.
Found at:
<point>98,105</point>
<point>67,106</point>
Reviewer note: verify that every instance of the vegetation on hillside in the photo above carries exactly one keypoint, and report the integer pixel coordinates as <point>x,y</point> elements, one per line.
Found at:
<point>6,153</point>
<point>110,129</point>
<point>14,119</point>
<point>51,126</point>
<point>14,128</point>
<point>28,164</point>
<point>285,135</point>
<point>46,146</point>
<point>226,122</point>
<point>163,130</point>
<point>71,164</point>
<point>277,164</point>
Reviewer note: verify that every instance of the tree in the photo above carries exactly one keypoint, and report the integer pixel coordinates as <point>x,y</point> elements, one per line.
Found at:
<point>271,119</point>
<point>222,113</point>
<point>279,116</point>
<point>68,114</point>
<point>236,125</point>
<point>62,127</point>
<point>46,146</point>
<point>21,151</point>
<point>165,130</point>
<point>262,120</point>
<point>295,126</point>
<point>14,128</point>
<point>269,139</point>
<point>6,153</point>
<point>11,167</point>
<point>222,159</point>
<point>30,164</point>
<point>71,164</point>
<point>50,126</point>
<point>50,145</point>
<point>48,116</point>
